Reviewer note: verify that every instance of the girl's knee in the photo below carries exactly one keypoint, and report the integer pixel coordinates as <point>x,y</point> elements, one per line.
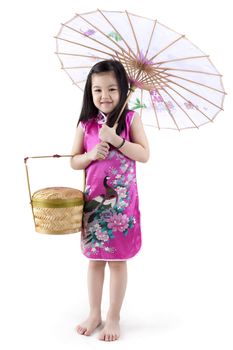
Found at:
<point>97,264</point>
<point>116,264</point>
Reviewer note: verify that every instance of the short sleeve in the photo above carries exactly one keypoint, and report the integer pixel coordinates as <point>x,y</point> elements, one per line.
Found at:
<point>82,125</point>
<point>131,118</point>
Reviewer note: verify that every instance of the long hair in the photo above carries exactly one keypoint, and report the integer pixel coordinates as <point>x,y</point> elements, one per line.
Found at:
<point>89,110</point>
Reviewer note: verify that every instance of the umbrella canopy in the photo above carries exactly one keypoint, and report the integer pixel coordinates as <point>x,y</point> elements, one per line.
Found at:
<point>176,86</point>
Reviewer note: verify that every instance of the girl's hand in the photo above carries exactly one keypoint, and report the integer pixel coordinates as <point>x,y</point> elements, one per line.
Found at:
<point>100,151</point>
<point>107,133</point>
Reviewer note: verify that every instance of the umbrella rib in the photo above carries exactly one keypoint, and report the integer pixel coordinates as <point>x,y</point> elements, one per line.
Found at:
<point>137,73</point>
<point>178,105</point>
<point>130,50</point>
<point>89,37</point>
<point>79,55</point>
<point>80,81</point>
<point>145,79</point>
<point>125,63</point>
<point>79,67</point>
<point>100,31</point>
<point>180,59</point>
<point>141,100</point>
<point>170,113</point>
<point>131,26</point>
<point>195,82</point>
<point>189,102</point>
<point>148,80</point>
<point>134,72</point>
<point>70,76</point>
<point>88,47</point>
<point>154,76</point>
<point>156,115</point>
<point>165,48</point>
<point>130,72</point>
<point>194,93</point>
<point>152,33</point>
<point>188,70</point>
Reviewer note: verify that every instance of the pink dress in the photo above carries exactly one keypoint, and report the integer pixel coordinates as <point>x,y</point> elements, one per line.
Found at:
<point>111,221</point>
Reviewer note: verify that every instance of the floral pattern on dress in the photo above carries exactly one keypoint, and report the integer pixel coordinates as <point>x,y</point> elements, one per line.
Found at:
<point>108,219</point>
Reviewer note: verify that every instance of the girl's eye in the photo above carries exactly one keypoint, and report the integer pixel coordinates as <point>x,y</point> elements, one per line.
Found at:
<point>99,90</point>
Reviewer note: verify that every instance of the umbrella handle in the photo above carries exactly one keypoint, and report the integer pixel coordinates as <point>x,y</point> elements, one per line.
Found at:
<point>27,173</point>
<point>131,90</point>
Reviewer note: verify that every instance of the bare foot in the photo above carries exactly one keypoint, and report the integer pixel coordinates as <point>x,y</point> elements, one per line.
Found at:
<point>87,327</point>
<point>111,330</point>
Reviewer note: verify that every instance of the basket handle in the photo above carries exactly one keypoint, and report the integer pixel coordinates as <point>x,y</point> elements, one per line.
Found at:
<point>27,173</point>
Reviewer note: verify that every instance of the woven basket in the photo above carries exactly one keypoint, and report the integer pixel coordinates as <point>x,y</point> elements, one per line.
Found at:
<point>56,210</point>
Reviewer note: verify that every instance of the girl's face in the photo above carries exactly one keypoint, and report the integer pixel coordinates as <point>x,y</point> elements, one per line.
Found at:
<point>105,91</point>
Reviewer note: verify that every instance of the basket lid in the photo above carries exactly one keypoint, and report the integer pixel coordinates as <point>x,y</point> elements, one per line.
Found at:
<point>59,197</point>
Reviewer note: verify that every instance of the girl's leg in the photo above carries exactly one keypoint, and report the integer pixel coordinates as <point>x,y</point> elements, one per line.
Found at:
<point>95,279</point>
<point>118,282</point>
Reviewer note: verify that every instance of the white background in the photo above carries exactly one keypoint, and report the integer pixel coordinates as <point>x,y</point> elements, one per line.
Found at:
<point>180,284</point>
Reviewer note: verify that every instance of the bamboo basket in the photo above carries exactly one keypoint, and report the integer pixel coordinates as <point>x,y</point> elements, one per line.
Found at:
<point>56,210</point>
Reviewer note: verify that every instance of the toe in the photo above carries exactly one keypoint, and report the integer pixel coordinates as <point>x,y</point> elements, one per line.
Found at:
<point>101,336</point>
<point>81,330</point>
<point>87,332</point>
<point>78,329</point>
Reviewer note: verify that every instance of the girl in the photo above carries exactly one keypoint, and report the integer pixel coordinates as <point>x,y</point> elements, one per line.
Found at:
<point>111,222</point>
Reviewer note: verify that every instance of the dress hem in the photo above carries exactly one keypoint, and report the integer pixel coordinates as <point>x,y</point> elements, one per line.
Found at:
<point>106,259</point>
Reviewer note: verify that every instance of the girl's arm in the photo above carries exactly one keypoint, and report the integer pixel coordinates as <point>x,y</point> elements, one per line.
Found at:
<point>81,160</point>
<point>138,149</point>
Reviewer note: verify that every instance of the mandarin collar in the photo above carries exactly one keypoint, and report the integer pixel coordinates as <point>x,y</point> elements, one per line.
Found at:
<point>101,118</point>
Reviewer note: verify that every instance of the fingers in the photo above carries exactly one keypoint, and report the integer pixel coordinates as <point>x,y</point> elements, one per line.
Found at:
<point>105,144</point>
<point>102,150</point>
<point>101,155</point>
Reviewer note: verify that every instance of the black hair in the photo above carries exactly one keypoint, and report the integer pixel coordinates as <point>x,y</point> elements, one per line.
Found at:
<point>89,110</point>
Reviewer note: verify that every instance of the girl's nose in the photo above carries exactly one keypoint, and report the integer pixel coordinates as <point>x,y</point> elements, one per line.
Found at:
<point>105,94</point>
